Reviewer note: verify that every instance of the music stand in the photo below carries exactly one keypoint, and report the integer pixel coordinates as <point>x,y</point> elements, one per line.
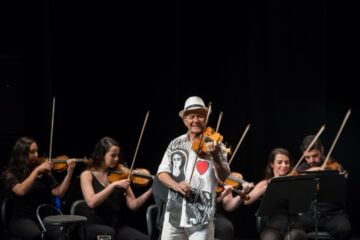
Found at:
<point>288,195</point>
<point>330,188</point>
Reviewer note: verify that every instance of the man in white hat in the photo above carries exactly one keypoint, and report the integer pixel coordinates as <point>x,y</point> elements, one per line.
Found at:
<point>191,199</point>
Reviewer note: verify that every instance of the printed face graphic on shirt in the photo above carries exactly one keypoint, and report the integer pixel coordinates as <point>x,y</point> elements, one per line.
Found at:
<point>178,162</point>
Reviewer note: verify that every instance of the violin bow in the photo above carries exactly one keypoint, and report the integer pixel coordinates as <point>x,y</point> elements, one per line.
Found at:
<point>219,121</point>
<point>201,138</point>
<point>336,138</point>
<point>52,128</point>
<point>138,144</point>
<point>239,143</point>
<point>307,149</point>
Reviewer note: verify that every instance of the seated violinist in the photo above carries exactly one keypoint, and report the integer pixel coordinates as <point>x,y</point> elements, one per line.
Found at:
<point>232,195</point>
<point>29,183</point>
<point>277,226</point>
<point>104,197</point>
<point>229,199</point>
<point>332,217</point>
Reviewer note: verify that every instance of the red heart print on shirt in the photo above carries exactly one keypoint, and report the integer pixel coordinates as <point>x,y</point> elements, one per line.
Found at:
<point>202,166</point>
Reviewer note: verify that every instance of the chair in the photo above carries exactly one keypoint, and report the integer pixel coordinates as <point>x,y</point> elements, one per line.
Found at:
<point>321,235</point>
<point>5,215</point>
<point>151,219</point>
<point>43,211</point>
<point>6,206</point>
<point>50,217</point>
<point>78,207</point>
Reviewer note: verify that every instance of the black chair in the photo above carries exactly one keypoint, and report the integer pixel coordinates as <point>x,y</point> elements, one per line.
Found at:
<point>78,207</point>
<point>6,206</point>
<point>152,212</point>
<point>50,217</point>
<point>320,235</point>
<point>5,213</point>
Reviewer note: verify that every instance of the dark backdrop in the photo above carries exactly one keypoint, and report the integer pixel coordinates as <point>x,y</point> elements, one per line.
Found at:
<point>284,67</point>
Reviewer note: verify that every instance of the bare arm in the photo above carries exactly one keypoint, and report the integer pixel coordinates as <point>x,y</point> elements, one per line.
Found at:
<point>133,202</point>
<point>61,189</point>
<point>257,192</point>
<point>95,199</point>
<point>230,203</point>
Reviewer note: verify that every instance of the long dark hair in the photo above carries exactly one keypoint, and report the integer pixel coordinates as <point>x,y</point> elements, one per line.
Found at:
<point>100,149</point>
<point>20,153</point>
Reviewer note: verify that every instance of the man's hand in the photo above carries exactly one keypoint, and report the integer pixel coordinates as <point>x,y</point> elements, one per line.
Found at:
<point>183,188</point>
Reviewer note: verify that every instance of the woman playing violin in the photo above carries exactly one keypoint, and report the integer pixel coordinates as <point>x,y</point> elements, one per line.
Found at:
<point>104,198</point>
<point>276,228</point>
<point>333,217</point>
<point>30,182</point>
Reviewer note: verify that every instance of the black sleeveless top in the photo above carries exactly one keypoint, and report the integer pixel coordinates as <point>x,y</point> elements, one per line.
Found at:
<point>109,212</point>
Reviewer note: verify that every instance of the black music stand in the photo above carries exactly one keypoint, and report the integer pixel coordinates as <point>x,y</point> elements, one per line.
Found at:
<point>330,188</point>
<point>288,195</point>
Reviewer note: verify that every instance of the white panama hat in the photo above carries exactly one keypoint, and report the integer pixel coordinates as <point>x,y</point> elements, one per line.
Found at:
<point>193,103</point>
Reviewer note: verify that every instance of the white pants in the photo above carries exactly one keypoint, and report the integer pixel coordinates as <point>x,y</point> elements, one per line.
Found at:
<point>200,232</point>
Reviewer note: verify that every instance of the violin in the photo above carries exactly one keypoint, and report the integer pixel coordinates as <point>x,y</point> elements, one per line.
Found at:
<point>60,162</point>
<point>221,188</point>
<point>209,135</point>
<point>330,165</point>
<point>139,176</point>
<point>334,165</point>
<point>235,180</point>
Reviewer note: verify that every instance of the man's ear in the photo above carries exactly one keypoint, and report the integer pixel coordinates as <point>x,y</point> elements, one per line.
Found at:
<point>184,121</point>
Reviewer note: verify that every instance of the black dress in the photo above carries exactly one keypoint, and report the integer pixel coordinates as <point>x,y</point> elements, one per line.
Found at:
<point>106,219</point>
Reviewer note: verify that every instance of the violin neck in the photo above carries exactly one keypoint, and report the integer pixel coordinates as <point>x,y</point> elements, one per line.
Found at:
<point>64,161</point>
<point>235,179</point>
<point>148,176</point>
